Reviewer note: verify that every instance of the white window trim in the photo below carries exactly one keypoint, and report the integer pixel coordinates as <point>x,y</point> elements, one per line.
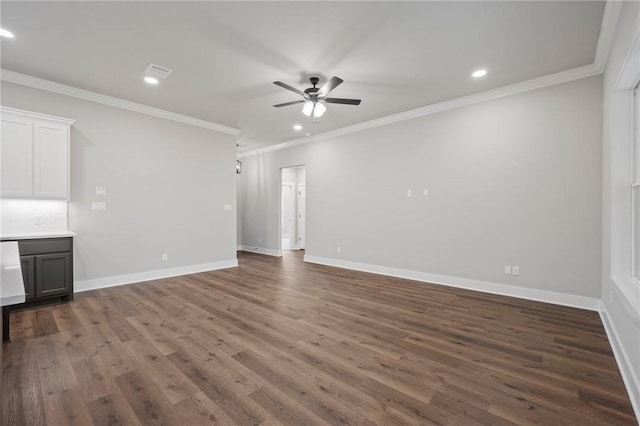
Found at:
<point>622,128</point>
<point>635,184</point>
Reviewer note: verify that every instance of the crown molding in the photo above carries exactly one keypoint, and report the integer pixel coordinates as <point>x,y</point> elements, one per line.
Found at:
<point>63,89</point>
<point>607,31</point>
<point>36,115</point>
<point>513,89</point>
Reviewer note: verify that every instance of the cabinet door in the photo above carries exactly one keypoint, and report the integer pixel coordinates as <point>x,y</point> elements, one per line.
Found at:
<point>28,266</point>
<point>17,157</point>
<point>53,274</point>
<point>50,160</point>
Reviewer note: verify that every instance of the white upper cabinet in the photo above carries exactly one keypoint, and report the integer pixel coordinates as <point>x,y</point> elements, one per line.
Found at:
<point>34,155</point>
<point>17,157</point>
<point>50,160</point>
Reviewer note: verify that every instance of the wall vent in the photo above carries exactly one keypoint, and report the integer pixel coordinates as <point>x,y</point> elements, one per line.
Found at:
<point>157,71</point>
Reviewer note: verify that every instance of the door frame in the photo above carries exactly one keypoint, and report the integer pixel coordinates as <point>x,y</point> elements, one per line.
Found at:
<point>300,186</point>
<point>292,212</point>
<point>279,228</point>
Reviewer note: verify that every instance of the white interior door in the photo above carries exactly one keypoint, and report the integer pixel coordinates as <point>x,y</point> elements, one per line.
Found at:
<point>287,216</point>
<point>301,215</point>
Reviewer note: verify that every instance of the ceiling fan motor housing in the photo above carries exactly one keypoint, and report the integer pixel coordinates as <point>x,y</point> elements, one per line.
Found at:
<point>312,91</point>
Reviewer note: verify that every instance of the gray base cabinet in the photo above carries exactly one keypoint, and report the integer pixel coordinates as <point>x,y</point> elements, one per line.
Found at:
<point>47,270</point>
<point>47,273</point>
<point>53,274</point>
<point>28,266</point>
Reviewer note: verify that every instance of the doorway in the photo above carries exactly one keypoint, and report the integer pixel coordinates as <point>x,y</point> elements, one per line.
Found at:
<point>292,208</point>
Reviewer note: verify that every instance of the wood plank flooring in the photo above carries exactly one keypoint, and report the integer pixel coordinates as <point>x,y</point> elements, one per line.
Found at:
<point>280,341</point>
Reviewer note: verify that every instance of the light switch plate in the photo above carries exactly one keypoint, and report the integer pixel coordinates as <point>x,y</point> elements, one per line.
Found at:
<point>409,193</point>
<point>100,206</point>
<point>101,191</point>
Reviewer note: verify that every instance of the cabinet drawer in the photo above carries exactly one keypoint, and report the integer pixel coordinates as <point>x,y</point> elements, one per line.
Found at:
<point>46,245</point>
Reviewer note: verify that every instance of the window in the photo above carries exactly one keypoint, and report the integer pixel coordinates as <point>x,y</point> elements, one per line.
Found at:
<point>623,191</point>
<point>635,186</point>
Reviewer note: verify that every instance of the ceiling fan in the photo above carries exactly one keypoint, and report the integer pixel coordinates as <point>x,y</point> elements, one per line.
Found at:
<point>315,98</point>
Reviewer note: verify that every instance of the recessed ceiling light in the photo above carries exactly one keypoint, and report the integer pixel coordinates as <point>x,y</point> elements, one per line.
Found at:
<point>151,80</point>
<point>297,127</point>
<point>479,73</point>
<point>6,33</point>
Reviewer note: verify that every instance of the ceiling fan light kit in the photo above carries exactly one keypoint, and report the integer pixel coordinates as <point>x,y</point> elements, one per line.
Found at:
<point>315,109</point>
<point>315,99</point>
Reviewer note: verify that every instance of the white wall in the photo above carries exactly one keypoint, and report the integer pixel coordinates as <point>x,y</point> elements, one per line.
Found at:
<point>620,296</point>
<point>166,186</point>
<point>513,181</point>
<point>18,216</point>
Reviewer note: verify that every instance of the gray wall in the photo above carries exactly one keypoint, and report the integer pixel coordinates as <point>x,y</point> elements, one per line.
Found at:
<point>166,186</point>
<point>621,311</point>
<point>513,181</point>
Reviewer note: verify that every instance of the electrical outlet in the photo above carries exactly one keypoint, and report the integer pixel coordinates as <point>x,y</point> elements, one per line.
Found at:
<point>260,239</point>
<point>165,256</point>
<point>409,193</point>
<point>99,206</point>
<point>507,269</point>
<point>39,220</point>
<point>515,270</point>
<point>339,249</point>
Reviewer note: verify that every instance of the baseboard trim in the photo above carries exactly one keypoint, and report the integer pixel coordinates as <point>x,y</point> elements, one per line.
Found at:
<point>563,299</point>
<point>117,280</point>
<point>261,250</point>
<point>631,381</point>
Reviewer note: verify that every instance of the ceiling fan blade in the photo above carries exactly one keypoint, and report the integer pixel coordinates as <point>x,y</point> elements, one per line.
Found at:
<point>289,103</point>
<point>342,101</point>
<point>329,86</point>
<point>286,86</point>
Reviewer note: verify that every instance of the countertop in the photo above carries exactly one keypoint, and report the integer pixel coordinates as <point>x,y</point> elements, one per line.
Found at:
<point>31,236</point>
<point>11,285</point>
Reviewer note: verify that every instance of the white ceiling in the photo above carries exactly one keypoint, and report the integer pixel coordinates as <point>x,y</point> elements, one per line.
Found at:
<point>395,56</point>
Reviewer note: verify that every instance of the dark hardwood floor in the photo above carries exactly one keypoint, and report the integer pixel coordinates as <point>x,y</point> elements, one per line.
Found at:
<point>279,341</point>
